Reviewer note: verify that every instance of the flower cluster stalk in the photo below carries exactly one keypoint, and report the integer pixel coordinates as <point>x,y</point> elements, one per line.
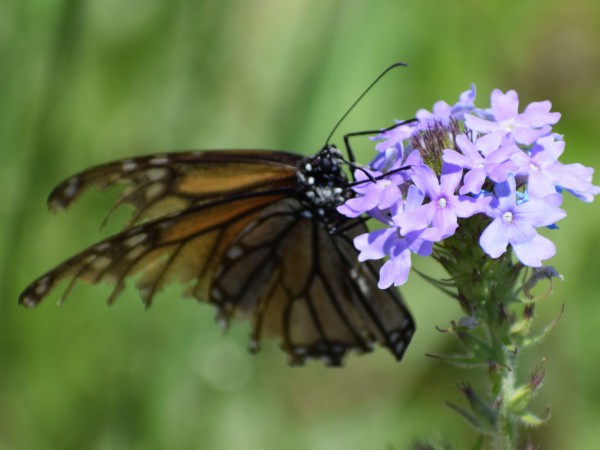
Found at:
<point>486,290</point>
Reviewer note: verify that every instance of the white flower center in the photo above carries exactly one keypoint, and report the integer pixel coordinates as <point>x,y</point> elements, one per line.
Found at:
<point>534,168</point>
<point>480,165</point>
<point>442,202</point>
<point>509,124</point>
<point>508,217</point>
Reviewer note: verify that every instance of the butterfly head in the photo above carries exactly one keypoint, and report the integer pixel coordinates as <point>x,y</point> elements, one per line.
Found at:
<point>322,182</point>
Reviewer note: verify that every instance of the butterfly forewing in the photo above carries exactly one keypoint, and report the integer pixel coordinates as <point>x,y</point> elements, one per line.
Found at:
<point>158,185</point>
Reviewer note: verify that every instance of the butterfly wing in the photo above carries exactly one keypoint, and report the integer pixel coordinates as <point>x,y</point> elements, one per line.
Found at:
<point>201,199</point>
<point>297,281</point>
<point>158,185</point>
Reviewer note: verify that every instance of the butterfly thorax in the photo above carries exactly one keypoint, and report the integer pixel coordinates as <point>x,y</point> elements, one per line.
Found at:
<point>321,183</point>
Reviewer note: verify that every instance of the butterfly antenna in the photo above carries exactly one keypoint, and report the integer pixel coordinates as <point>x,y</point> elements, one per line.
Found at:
<point>393,66</point>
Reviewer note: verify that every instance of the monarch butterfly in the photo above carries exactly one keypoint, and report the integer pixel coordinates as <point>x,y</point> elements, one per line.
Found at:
<point>256,233</point>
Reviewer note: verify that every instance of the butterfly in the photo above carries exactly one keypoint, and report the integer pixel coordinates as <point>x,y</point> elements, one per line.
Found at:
<point>254,233</point>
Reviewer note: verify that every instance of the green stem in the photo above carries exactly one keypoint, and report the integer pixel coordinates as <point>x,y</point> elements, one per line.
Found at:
<point>506,431</point>
<point>501,378</point>
<point>494,331</point>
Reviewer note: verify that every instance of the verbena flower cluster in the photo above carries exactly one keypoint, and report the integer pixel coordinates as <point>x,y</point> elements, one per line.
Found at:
<point>461,161</point>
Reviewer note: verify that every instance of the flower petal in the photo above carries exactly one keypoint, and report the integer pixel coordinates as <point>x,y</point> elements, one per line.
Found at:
<point>532,253</point>
<point>395,271</point>
<point>494,238</point>
<point>504,106</point>
<point>537,114</point>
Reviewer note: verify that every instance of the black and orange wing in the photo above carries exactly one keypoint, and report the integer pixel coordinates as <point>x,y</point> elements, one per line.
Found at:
<point>297,281</point>
<point>158,185</point>
<point>187,207</point>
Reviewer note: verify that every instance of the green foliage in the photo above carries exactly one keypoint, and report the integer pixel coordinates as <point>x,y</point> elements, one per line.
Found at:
<point>83,82</point>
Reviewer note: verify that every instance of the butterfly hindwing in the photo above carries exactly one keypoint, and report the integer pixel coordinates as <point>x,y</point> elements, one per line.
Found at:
<point>297,281</point>
<point>182,247</point>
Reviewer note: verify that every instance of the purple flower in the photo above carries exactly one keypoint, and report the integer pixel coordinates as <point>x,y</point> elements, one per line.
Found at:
<point>392,160</point>
<point>545,174</point>
<point>394,146</point>
<point>577,179</point>
<point>524,128</point>
<point>389,242</point>
<point>515,224</point>
<point>496,166</point>
<point>380,194</point>
<point>443,112</point>
<point>396,269</point>
<point>395,137</point>
<point>439,216</point>
<point>466,103</point>
<point>387,159</point>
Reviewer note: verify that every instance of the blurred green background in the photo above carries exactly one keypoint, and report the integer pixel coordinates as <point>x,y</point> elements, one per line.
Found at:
<point>83,82</point>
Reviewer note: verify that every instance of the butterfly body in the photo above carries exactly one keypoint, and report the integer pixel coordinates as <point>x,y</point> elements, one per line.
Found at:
<point>256,234</point>
<point>322,182</point>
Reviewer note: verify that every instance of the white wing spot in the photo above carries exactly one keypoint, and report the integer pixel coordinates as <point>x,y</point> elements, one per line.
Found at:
<point>154,190</point>
<point>29,301</point>
<point>156,174</point>
<point>234,252</point>
<point>101,263</point>
<point>166,224</point>
<point>42,286</point>
<point>394,336</point>
<point>364,286</point>
<point>136,252</point>
<point>129,165</point>
<point>159,160</point>
<point>399,348</point>
<point>71,187</point>
<point>102,246</point>
<point>135,240</point>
